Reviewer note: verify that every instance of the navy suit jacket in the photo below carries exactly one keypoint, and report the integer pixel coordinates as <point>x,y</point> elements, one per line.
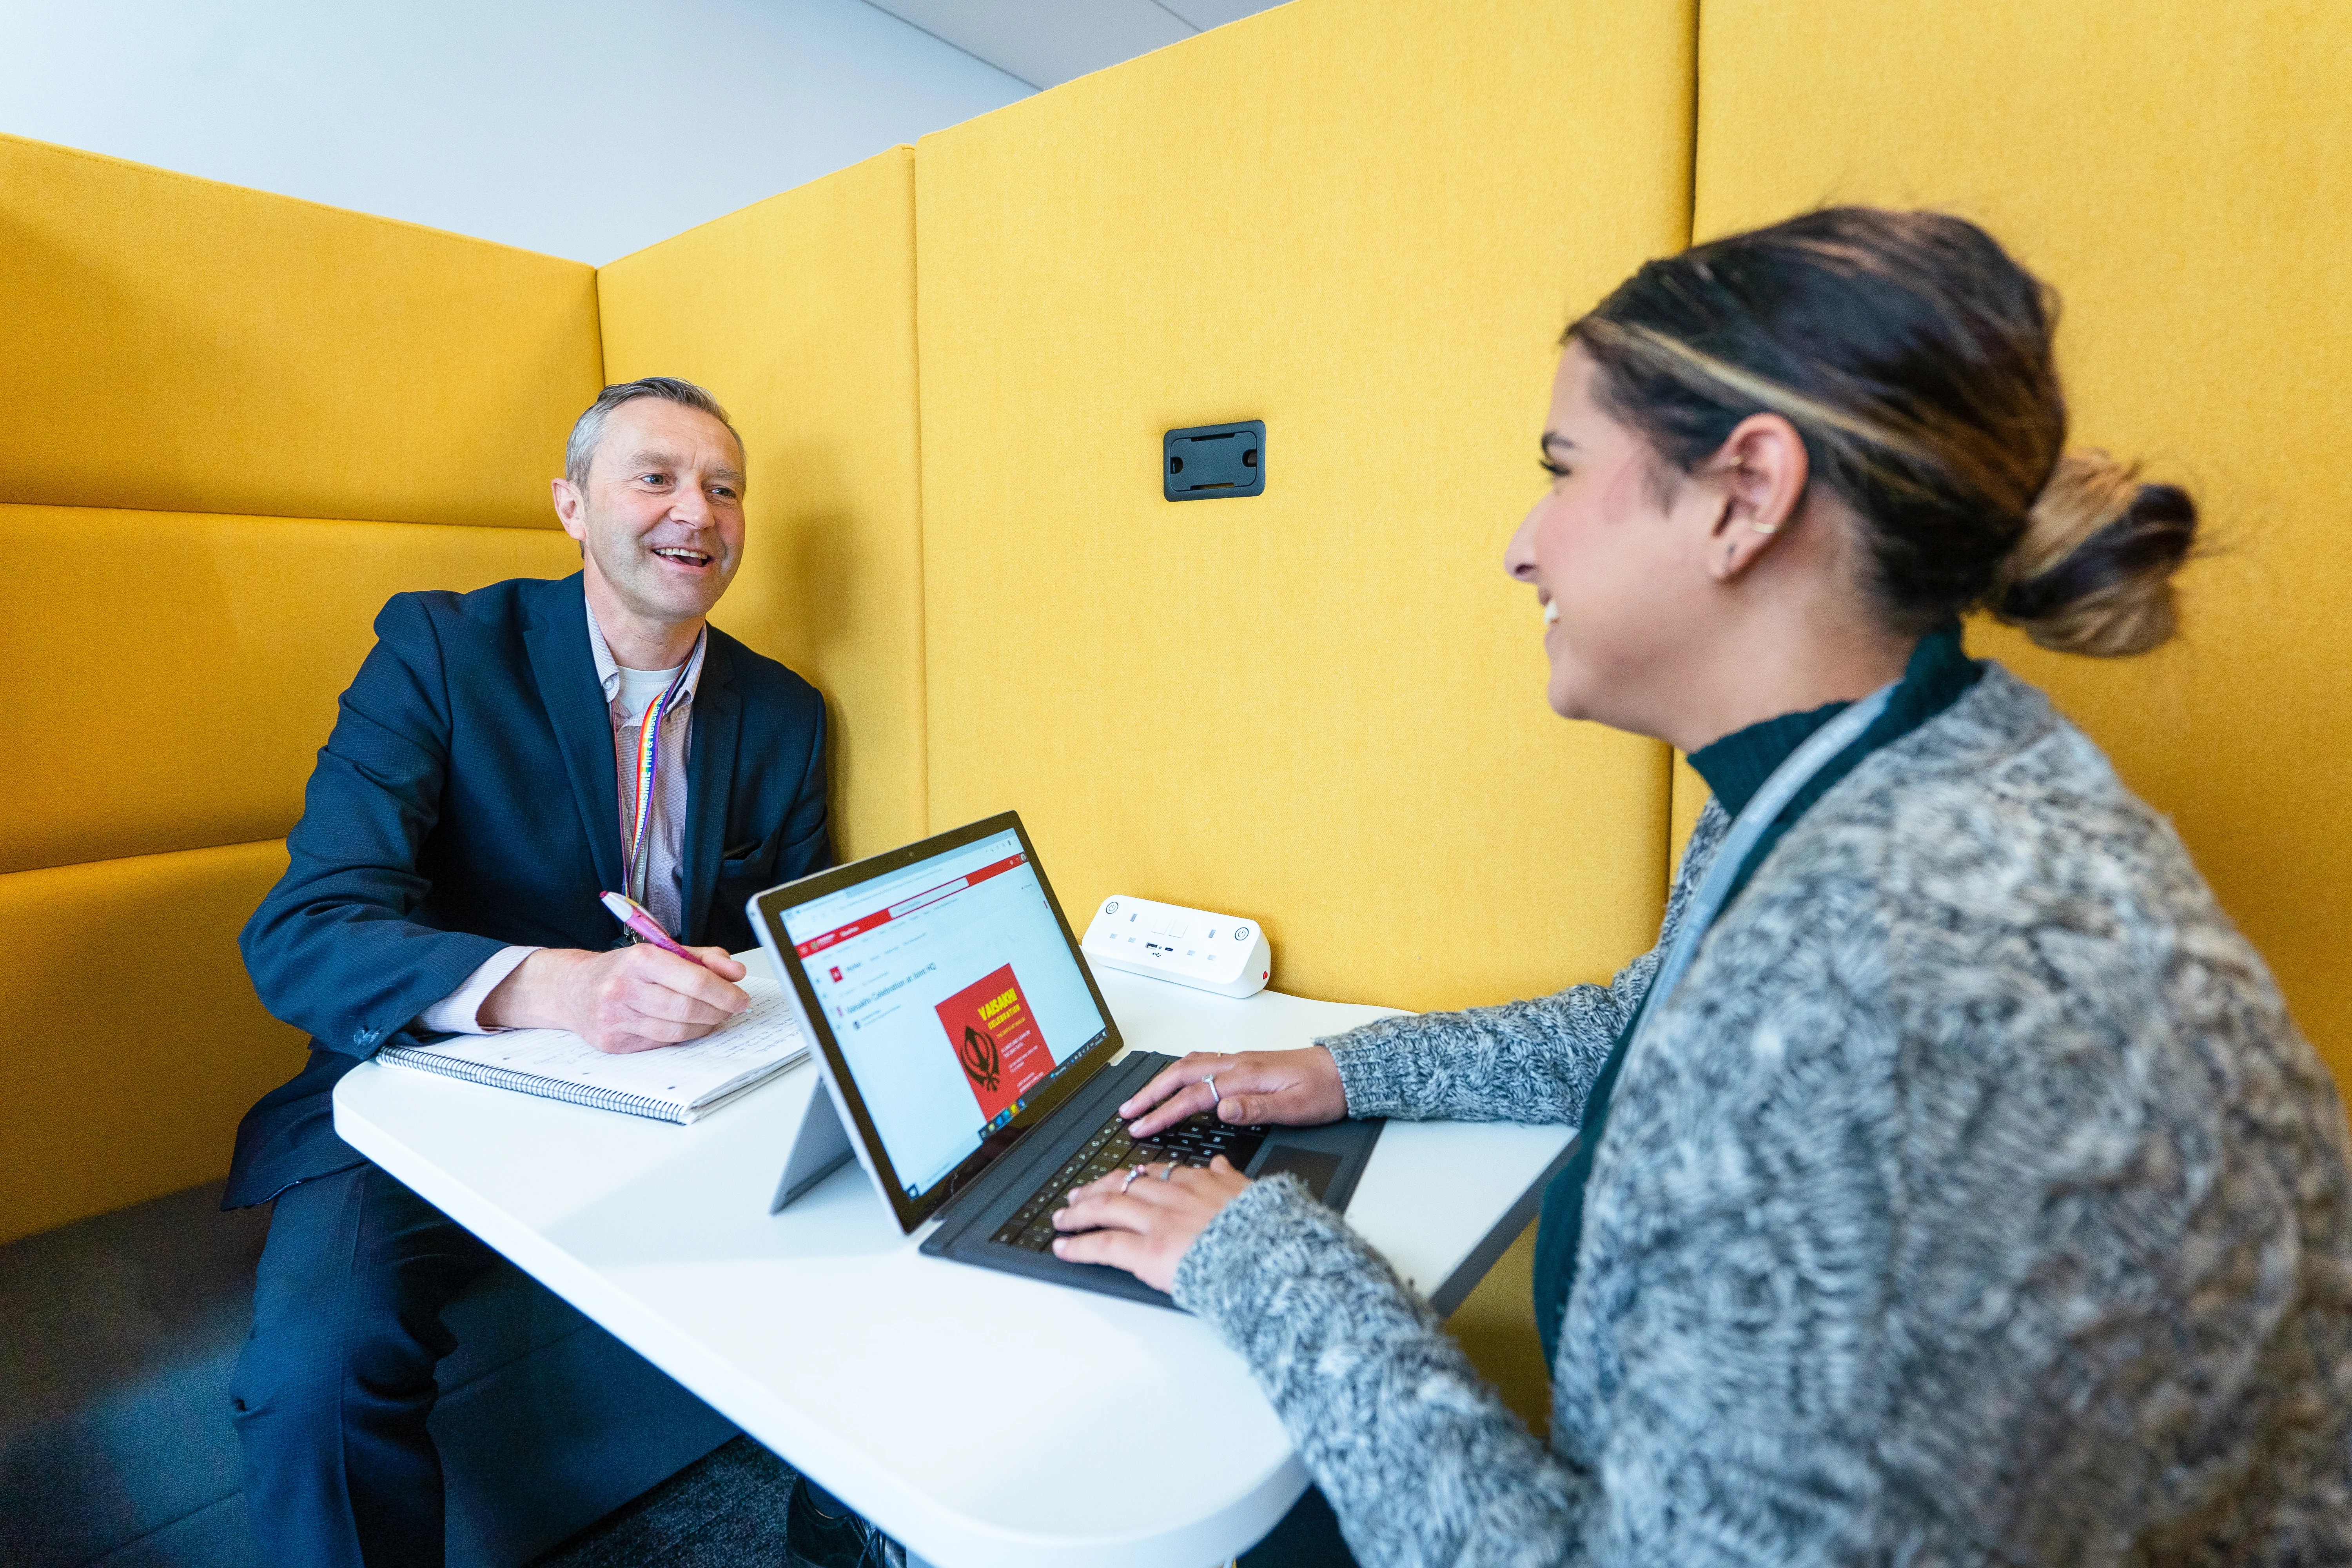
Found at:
<point>466,801</point>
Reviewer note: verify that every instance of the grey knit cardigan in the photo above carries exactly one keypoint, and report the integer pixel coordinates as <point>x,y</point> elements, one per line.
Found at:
<point>1973,1200</point>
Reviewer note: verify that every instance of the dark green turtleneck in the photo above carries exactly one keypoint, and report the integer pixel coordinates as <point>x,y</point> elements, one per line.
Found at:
<point>1735,768</point>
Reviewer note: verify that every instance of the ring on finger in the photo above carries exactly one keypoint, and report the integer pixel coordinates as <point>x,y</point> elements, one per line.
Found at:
<point>1132,1172</point>
<point>1168,1172</point>
<point>1215,1100</point>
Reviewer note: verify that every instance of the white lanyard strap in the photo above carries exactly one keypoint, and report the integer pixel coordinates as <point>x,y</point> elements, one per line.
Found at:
<point>1794,774</point>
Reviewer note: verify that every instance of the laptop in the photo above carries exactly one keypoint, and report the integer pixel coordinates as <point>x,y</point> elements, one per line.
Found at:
<point>971,1064</point>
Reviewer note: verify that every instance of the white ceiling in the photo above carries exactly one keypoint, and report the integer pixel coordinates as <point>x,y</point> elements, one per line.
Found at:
<point>1046,42</point>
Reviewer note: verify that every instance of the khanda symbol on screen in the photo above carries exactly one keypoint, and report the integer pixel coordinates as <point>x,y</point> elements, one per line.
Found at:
<point>979,1054</point>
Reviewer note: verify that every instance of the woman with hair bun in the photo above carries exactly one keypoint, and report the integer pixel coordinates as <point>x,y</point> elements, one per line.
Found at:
<point>1954,1186</point>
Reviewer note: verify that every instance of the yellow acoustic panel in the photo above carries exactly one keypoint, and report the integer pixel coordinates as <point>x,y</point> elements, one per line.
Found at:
<point>1495,1326</point>
<point>799,314</point>
<point>1323,707</point>
<point>2182,172</point>
<point>181,345</point>
<point>1691,796</point>
<point>182,670</point>
<point>131,1041</point>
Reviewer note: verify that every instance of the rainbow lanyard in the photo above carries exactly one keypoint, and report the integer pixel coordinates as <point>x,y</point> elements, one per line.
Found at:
<point>648,765</point>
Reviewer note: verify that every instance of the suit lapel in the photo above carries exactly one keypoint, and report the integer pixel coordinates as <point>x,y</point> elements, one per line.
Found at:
<point>575,699</point>
<point>709,777</point>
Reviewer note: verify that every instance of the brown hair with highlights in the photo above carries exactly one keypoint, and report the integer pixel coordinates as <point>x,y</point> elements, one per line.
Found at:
<point>1913,356</point>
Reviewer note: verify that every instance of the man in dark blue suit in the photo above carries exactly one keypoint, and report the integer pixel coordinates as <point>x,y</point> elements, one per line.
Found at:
<point>484,781</point>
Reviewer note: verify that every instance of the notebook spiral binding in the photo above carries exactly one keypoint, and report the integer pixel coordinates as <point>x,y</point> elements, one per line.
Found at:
<point>531,1083</point>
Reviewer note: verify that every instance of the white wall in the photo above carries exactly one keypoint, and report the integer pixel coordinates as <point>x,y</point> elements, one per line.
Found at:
<point>584,127</point>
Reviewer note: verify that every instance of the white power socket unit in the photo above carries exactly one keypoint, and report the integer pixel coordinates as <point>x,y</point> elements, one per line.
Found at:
<point>1223,954</point>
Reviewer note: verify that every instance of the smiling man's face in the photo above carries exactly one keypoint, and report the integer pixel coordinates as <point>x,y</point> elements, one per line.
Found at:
<point>660,521</point>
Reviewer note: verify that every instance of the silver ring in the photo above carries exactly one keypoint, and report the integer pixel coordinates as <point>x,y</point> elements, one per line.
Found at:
<point>1215,1100</point>
<point>1168,1172</point>
<point>1132,1172</point>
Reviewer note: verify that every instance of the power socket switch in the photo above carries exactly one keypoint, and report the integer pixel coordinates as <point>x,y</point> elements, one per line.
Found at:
<point>1214,463</point>
<point>1224,954</point>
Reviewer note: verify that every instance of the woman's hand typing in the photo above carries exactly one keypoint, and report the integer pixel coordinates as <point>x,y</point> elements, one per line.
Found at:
<point>1143,1219</point>
<point>1292,1089</point>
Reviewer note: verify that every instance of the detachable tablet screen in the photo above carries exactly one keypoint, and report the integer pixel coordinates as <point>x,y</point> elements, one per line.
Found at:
<point>958,1007</point>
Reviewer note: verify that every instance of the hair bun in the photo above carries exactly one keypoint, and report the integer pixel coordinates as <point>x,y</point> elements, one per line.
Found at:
<point>2093,572</point>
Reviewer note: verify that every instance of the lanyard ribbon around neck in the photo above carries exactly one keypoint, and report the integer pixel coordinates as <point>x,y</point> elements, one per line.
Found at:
<point>1794,774</point>
<point>648,766</point>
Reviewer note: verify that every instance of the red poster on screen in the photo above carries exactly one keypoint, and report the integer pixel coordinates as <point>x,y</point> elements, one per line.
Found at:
<point>997,1042</point>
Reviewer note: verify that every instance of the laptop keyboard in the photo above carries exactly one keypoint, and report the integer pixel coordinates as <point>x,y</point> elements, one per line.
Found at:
<point>1194,1141</point>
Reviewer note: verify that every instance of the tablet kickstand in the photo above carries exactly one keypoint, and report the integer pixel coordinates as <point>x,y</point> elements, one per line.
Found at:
<point>820,1150</point>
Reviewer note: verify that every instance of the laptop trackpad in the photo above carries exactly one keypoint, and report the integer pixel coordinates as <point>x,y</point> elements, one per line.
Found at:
<point>1312,1166</point>
<point>1329,1158</point>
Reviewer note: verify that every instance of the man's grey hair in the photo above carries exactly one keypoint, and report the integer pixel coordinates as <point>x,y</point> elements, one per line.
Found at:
<point>589,429</point>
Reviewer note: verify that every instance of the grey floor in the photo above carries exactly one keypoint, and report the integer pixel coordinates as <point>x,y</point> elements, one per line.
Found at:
<point>723,1510</point>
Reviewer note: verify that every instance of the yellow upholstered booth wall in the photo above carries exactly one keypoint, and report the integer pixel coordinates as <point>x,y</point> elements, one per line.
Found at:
<point>125,1079</point>
<point>2182,172</point>
<point>1690,798</point>
<point>227,640</point>
<point>175,344</point>
<point>200,388</point>
<point>799,314</point>
<point>1365,224</point>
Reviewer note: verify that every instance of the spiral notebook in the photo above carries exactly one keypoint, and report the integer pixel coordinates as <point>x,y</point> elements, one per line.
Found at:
<point>675,1083</point>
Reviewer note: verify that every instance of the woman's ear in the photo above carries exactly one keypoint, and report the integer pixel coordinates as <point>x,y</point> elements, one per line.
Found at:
<point>1760,473</point>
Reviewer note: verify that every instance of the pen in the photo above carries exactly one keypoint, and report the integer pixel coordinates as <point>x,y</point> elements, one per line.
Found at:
<point>632,914</point>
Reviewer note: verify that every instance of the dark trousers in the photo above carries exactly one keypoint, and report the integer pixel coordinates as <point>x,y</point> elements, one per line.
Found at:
<point>332,1391</point>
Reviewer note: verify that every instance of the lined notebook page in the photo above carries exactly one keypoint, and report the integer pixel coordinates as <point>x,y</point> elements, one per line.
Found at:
<point>676,1083</point>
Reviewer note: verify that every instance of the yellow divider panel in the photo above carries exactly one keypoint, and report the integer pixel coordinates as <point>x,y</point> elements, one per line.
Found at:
<point>798,313</point>
<point>181,345</point>
<point>2182,172</point>
<point>1691,796</point>
<point>1496,1327</point>
<point>1365,224</point>
<point>183,669</point>
<point>132,1042</point>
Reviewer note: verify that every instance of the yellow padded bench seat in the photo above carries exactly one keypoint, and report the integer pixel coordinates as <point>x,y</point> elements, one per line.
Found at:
<point>134,1041</point>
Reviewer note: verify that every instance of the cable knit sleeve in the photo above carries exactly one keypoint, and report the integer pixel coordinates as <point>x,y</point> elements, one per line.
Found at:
<point>1419,1458</point>
<point>1521,1061</point>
